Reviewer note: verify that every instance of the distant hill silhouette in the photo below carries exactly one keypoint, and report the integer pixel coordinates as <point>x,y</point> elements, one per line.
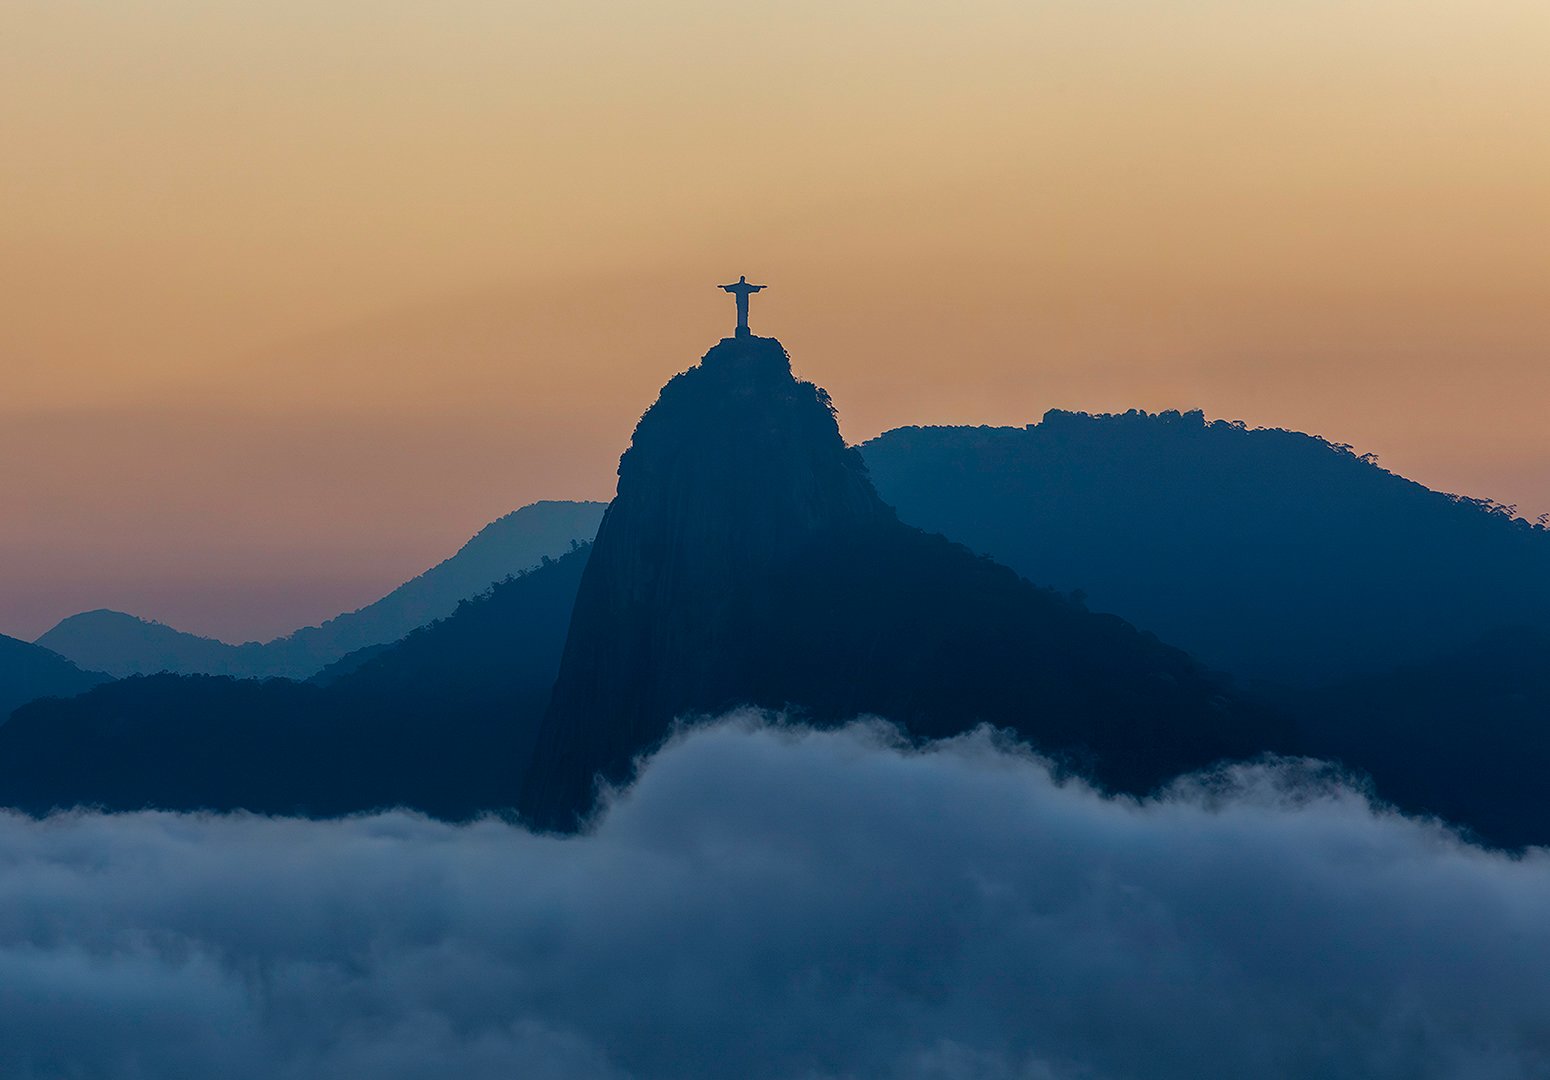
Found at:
<point>508,545</point>
<point>1267,553</point>
<point>28,672</point>
<point>747,560</point>
<point>442,721</point>
<point>122,644</point>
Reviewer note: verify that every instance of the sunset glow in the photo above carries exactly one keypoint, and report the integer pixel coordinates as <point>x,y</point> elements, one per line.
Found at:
<point>296,297</point>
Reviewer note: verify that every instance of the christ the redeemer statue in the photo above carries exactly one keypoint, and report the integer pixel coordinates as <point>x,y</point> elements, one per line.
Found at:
<point>742,290</point>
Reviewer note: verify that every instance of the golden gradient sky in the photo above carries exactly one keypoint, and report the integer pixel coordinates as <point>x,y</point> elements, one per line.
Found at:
<point>295,296</point>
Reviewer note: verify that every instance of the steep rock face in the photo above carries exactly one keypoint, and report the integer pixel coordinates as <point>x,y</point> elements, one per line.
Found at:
<point>734,468</point>
<point>748,560</point>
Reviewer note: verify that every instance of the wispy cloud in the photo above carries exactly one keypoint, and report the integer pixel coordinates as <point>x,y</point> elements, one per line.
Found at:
<point>775,903</point>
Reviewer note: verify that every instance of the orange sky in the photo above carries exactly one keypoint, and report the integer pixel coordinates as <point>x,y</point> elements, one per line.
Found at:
<point>294,296</point>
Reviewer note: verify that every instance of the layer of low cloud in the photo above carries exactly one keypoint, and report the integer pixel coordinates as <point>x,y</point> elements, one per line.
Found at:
<point>775,903</point>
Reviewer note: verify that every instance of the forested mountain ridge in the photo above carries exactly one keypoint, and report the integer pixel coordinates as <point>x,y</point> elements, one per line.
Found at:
<point>442,721</point>
<point>1269,553</point>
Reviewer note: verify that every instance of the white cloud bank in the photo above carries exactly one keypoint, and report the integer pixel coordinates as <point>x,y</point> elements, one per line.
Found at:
<point>766,903</point>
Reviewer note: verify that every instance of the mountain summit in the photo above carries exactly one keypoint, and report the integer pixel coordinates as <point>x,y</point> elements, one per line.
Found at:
<point>747,560</point>
<point>737,468</point>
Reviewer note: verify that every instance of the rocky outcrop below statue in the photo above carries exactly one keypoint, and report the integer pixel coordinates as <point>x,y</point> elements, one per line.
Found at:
<point>747,560</point>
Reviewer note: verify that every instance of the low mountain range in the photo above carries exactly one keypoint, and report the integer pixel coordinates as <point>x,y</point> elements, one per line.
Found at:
<point>121,644</point>
<point>443,721</point>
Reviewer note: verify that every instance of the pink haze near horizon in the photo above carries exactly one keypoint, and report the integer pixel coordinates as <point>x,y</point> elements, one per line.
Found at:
<point>294,297</point>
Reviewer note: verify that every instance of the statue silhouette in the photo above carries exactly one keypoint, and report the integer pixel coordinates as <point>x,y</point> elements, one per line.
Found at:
<point>742,290</point>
